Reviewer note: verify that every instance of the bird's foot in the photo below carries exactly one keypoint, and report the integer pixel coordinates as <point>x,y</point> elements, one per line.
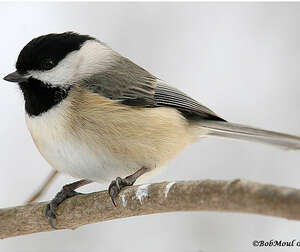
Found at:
<point>50,210</point>
<point>116,186</point>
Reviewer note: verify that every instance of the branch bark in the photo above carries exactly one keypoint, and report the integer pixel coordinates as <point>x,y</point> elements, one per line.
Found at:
<point>209,195</point>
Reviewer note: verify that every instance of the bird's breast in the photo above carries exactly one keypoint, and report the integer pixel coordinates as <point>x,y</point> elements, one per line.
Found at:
<point>68,153</point>
<point>91,137</point>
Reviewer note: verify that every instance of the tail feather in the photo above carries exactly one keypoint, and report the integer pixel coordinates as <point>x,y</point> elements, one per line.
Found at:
<point>243,132</point>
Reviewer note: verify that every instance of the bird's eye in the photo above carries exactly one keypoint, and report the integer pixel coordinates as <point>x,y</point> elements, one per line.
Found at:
<point>47,64</point>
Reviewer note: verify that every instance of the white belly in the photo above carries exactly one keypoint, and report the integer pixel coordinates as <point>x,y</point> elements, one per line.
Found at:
<point>97,139</point>
<point>70,155</point>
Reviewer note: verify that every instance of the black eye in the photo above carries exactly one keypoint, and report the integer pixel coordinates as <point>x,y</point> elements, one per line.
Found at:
<point>47,64</point>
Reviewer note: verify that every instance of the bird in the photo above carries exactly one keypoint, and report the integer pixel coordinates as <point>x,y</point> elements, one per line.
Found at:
<point>99,117</point>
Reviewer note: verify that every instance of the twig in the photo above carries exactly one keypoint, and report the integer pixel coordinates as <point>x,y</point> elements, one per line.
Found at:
<point>43,188</point>
<point>233,196</point>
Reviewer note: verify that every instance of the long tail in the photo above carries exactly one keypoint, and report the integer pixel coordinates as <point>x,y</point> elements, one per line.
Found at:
<point>243,132</point>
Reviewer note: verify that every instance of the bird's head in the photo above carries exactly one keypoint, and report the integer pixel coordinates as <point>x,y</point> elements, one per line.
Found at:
<point>59,59</point>
<point>50,65</point>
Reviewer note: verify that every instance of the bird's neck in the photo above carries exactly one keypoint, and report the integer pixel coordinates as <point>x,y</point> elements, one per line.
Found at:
<point>39,98</point>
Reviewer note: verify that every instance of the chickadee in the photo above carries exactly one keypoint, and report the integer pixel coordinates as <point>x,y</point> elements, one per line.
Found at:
<point>96,115</point>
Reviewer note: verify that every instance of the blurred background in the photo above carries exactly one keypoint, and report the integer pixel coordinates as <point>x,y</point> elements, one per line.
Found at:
<point>240,59</point>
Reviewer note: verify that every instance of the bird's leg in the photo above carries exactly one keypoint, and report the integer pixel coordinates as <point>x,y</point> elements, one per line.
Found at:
<point>117,184</point>
<point>66,192</point>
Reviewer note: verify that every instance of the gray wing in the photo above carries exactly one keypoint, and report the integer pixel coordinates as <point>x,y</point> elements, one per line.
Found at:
<point>166,95</point>
<point>132,85</point>
<point>123,81</point>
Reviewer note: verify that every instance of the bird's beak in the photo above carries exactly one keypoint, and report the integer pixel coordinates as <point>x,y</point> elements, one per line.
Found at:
<point>15,77</point>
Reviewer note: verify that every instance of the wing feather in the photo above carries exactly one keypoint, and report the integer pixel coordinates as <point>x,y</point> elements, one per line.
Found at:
<point>132,85</point>
<point>122,80</point>
<point>166,95</point>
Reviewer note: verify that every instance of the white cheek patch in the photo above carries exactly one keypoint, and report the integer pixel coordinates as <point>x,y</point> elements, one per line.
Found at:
<point>61,74</point>
<point>93,57</point>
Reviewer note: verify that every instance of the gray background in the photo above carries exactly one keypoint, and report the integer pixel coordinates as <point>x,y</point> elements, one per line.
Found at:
<point>241,60</point>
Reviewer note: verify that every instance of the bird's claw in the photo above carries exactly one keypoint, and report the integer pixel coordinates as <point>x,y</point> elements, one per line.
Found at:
<point>114,189</point>
<point>50,210</point>
<point>116,186</point>
<point>50,214</point>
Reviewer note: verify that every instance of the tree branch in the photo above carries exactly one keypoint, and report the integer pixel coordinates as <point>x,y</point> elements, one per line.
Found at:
<point>232,196</point>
